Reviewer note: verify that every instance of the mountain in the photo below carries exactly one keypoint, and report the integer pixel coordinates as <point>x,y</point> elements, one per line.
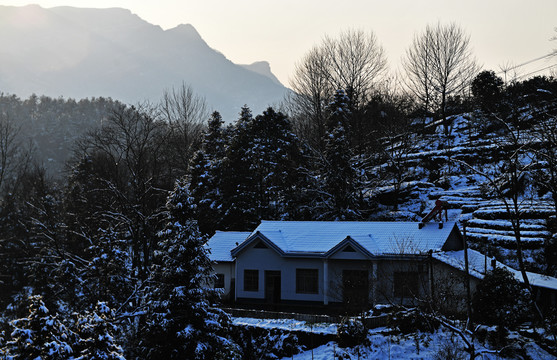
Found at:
<point>79,53</point>
<point>263,68</point>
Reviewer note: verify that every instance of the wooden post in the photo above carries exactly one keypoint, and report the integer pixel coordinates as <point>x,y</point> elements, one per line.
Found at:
<point>467,279</point>
<point>325,282</point>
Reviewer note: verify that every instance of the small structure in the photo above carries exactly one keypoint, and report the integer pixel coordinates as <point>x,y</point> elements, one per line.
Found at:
<point>220,246</point>
<point>544,286</point>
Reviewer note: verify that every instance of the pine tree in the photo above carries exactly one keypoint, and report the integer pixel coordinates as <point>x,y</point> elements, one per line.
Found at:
<point>340,178</point>
<point>96,331</point>
<point>240,210</point>
<point>206,176</point>
<point>107,275</point>
<point>40,335</point>
<point>274,155</point>
<point>262,170</point>
<point>180,323</point>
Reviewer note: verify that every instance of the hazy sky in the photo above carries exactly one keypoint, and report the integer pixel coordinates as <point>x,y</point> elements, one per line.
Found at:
<point>503,32</point>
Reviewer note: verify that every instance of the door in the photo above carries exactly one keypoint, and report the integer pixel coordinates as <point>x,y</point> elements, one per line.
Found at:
<point>355,289</point>
<point>272,286</point>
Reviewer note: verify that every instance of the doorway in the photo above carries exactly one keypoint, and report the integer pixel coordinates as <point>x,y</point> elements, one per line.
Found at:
<point>272,286</point>
<point>355,289</point>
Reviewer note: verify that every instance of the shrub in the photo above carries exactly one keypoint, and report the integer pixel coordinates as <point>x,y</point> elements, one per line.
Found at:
<point>409,321</point>
<point>501,300</point>
<point>351,333</point>
<point>450,350</point>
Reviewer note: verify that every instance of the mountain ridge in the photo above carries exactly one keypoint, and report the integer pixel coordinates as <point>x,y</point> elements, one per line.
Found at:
<point>82,53</point>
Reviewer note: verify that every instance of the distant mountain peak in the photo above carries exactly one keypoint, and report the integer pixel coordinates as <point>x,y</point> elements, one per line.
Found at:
<point>262,68</point>
<point>186,30</point>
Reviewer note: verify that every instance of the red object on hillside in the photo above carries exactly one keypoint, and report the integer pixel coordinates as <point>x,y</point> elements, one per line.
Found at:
<point>436,212</point>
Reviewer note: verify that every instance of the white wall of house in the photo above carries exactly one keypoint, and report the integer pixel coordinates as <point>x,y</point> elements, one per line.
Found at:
<point>228,271</point>
<point>269,260</point>
<point>336,267</point>
<point>382,276</point>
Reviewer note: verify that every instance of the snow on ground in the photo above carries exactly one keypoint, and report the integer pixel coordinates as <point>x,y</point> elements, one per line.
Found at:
<point>287,324</point>
<point>387,348</point>
<point>382,343</point>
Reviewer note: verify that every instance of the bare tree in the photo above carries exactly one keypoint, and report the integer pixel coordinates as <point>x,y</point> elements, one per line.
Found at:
<point>353,61</point>
<point>131,144</point>
<point>418,67</point>
<point>8,146</point>
<point>509,183</point>
<point>186,113</point>
<point>439,64</point>
<point>16,156</point>
<point>311,94</point>
<point>545,150</point>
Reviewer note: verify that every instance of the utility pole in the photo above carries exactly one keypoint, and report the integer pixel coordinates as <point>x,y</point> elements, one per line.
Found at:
<point>467,280</point>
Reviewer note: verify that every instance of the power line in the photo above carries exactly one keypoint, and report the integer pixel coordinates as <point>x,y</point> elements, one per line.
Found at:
<point>553,53</point>
<point>535,71</point>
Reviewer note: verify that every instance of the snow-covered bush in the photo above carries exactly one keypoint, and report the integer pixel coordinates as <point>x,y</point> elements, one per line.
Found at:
<point>259,343</point>
<point>351,332</point>
<point>409,321</point>
<point>450,350</point>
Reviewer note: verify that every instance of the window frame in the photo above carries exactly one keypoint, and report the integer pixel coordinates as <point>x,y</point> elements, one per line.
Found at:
<point>219,281</point>
<point>251,280</point>
<point>307,281</point>
<point>406,284</point>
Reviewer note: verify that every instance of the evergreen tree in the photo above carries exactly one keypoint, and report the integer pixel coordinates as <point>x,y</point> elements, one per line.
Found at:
<point>96,331</point>
<point>501,300</point>
<point>107,275</point>
<point>206,176</point>
<point>339,175</point>
<point>180,323</point>
<point>40,335</point>
<point>239,188</point>
<point>487,89</point>
<point>274,155</point>
<point>262,170</point>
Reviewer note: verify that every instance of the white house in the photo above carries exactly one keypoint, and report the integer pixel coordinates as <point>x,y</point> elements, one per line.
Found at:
<point>354,263</point>
<point>350,263</point>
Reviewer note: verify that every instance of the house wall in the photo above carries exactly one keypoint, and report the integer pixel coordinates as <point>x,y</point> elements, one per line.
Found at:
<point>336,266</point>
<point>447,283</point>
<point>269,260</point>
<point>449,288</point>
<point>227,269</point>
<point>454,241</point>
<point>414,274</point>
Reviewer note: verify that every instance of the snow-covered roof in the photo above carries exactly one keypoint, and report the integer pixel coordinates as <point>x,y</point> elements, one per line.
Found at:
<point>479,265</point>
<point>223,242</point>
<point>323,238</point>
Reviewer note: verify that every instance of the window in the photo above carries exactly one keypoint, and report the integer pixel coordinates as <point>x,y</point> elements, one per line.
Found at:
<point>251,280</point>
<point>406,284</point>
<point>307,281</point>
<point>219,281</point>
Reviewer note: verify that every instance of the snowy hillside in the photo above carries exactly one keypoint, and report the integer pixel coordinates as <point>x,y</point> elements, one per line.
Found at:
<point>454,177</point>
